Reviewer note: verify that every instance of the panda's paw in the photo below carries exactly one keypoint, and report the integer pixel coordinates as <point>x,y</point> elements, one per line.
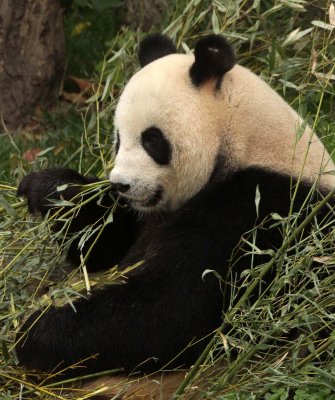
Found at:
<point>44,341</point>
<point>40,188</point>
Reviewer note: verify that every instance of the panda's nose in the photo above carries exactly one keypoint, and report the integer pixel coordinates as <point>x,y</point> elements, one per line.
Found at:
<point>120,187</point>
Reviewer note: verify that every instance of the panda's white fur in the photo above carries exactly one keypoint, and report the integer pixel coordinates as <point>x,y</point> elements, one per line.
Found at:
<point>246,123</point>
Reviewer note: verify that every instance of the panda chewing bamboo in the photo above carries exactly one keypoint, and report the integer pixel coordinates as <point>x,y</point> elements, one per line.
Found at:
<point>194,137</point>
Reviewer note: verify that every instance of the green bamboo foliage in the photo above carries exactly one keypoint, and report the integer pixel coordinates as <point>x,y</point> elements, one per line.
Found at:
<point>291,45</point>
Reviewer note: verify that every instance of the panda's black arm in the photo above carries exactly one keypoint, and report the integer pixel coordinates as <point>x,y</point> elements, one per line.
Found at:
<point>117,237</point>
<point>41,187</point>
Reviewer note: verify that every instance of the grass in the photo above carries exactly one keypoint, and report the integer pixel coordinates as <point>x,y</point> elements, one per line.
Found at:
<point>290,44</point>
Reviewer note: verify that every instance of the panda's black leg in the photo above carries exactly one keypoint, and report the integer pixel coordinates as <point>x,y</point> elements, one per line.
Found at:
<point>140,325</point>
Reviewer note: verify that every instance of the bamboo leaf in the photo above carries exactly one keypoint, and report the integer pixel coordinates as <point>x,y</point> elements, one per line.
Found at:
<point>332,14</point>
<point>323,25</point>
<point>257,200</point>
<point>6,206</point>
<point>296,35</point>
<point>215,23</point>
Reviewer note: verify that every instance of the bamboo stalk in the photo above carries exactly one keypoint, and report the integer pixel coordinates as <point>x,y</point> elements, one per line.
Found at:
<point>85,377</point>
<point>19,204</point>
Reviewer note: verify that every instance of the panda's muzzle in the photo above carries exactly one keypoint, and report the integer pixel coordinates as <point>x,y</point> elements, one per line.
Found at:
<point>143,201</point>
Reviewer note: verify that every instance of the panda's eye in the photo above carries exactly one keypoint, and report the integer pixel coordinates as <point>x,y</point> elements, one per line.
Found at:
<point>117,143</point>
<point>156,145</point>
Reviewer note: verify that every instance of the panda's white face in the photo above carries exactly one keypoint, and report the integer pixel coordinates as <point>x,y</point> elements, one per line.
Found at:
<point>165,154</point>
<point>142,168</point>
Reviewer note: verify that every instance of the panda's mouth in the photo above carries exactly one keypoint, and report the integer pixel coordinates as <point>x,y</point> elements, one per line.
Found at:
<point>145,202</point>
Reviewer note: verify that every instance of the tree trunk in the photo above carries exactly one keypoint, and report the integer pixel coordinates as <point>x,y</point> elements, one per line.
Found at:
<point>31,58</point>
<point>144,14</point>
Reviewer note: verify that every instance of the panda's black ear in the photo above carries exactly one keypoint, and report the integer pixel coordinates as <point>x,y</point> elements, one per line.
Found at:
<point>155,46</point>
<point>214,56</point>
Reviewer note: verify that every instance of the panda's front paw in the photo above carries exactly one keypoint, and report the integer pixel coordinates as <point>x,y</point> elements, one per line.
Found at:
<point>41,187</point>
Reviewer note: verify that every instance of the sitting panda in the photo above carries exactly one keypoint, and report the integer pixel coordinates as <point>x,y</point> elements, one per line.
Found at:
<point>195,138</point>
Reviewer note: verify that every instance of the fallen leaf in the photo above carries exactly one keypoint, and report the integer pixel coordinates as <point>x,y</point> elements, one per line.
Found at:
<point>84,84</point>
<point>87,86</point>
<point>75,98</point>
<point>59,149</point>
<point>80,27</point>
<point>31,154</point>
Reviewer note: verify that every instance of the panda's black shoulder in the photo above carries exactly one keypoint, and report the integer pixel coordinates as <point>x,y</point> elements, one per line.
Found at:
<point>236,194</point>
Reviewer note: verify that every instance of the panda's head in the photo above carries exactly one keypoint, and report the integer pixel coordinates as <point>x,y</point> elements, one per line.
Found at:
<point>166,128</point>
<point>184,122</point>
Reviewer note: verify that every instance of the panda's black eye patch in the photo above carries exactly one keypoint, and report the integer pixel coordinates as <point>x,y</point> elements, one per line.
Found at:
<point>156,145</point>
<point>117,143</point>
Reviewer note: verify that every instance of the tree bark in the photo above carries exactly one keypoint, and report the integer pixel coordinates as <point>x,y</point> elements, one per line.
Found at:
<point>31,58</point>
<point>144,14</point>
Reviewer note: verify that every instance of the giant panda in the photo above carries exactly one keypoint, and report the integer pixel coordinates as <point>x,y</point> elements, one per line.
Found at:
<point>195,137</point>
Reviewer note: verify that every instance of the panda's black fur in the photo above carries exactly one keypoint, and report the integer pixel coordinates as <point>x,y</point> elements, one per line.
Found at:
<point>155,46</point>
<point>165,313</point>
